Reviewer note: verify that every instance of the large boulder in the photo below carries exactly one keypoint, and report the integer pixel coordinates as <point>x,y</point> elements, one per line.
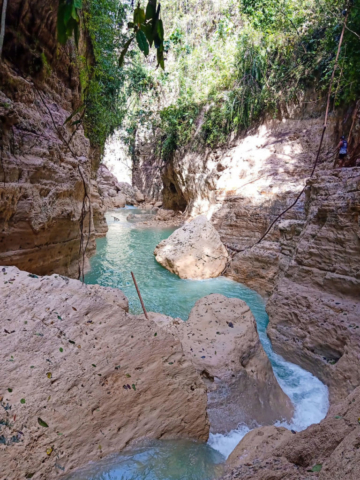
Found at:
<point>193,251</point>
<point>80,378</point>
<point>221,339</point>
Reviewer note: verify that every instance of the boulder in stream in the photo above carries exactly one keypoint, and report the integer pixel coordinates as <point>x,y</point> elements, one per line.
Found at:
<point>193,251</point>
<point>80,378</point>
<point>222,341</point>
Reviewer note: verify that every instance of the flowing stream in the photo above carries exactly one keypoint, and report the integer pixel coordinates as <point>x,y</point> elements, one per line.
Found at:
<point>129,248</point>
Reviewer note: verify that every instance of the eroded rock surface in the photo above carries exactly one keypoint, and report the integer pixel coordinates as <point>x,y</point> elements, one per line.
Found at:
<point>221,339</point>
<point>115,194</point>
<point>99,377</point>
<point>327,451</point>
<point>193,251</point>
<point>315,310</point>
<point>48,168</point>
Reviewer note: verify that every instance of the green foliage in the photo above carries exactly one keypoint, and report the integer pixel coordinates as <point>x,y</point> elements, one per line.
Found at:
<point>68,20</point>
<point>265,53</point>
<point>148,30</point>
<point>102,79</point>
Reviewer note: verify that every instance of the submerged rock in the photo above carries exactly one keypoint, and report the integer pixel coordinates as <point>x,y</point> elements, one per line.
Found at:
<point>222,341</point>
<point>73,359</point>
<point>193,251</point>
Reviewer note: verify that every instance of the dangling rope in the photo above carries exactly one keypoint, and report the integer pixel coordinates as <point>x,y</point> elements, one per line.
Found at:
<point>319,149</point>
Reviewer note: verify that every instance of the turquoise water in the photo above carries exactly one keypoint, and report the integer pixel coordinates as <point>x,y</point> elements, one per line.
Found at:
<point>165,460</point>
<point>129,248</point>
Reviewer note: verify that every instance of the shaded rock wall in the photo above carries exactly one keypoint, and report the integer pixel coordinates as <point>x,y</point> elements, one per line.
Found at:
<point>42,184</point>
<point>315,307</point>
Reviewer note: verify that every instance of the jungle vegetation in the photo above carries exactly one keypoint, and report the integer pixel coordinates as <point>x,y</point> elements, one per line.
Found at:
<point>223,64</point>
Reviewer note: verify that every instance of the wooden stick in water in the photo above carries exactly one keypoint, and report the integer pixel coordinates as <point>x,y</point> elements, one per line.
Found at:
<point>141,300</point>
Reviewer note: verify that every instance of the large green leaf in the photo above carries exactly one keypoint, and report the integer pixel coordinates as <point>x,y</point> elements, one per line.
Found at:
<point>78,3</point>
<point>160,58</point>
<point>147,29</point>
<point>151,10</point>
<point>160,29</point>
<point>139,16</point>
<point>142,42</point>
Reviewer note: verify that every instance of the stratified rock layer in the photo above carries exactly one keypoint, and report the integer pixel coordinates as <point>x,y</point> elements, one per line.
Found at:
<point>315,310</point>
<point>100,378</point>
<point>48,167</point>
<point>193,251</point>
<point>221,339</point>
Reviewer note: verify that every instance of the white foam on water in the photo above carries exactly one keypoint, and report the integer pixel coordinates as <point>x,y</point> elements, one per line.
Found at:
<point>225,444</point>
<point>308,394</point>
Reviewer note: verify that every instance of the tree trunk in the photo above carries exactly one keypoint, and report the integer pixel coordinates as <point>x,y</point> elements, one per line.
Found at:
<point>2,29</point>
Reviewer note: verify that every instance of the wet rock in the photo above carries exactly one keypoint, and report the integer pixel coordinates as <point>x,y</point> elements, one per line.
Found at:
<point>73,349</point>
<point>327,451</point>
<point>193,251</point>
<point>260,442</point>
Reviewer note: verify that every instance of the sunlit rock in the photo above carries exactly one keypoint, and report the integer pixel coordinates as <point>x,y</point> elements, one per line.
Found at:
<point>98,377</point>
<point>193,251</point>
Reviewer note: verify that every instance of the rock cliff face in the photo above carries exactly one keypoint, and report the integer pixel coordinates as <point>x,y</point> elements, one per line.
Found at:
<point>315,310</point>
<point>46,168</point>
<point>72,357</point>
<point>115,194</point>
<point>308,266</point>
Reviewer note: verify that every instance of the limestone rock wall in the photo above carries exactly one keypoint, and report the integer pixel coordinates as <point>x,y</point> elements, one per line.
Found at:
<point>315,310</point>
<point>42,184</point>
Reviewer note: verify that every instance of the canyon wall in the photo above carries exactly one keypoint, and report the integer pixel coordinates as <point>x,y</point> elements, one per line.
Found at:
<point>46,166</point>
<point>308,265</point>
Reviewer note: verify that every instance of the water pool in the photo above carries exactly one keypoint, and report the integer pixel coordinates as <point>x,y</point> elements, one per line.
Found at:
<point>129,248</point>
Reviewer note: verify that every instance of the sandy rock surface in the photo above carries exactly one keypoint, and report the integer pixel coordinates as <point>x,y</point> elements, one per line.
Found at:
<point>221,339</point>
<point>193,251</point>
<point>327,451</point>
<point>68,352</point>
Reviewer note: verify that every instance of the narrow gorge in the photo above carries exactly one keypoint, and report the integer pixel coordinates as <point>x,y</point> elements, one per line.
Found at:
<point>181,146</point>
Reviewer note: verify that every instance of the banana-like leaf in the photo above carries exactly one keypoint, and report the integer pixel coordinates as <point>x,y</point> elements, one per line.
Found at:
<point>160,29</point>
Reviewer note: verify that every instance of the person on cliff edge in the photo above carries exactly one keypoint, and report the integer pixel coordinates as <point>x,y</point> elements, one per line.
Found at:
<point>343,150</point>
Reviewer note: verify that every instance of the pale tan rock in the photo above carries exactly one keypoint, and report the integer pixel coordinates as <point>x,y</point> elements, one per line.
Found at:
<point>79,391</point>
<point>260,442</point>
<point>193,251</point>
<point>139,197</point>
<point>164,215</point>
<point>221,339</point>
<point>114,194</point>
